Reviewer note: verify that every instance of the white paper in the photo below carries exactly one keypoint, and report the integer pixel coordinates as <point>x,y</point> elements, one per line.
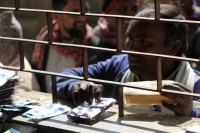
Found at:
<point>46,111</point>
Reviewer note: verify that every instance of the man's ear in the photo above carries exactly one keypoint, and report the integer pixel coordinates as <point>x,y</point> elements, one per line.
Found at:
<point>175,47</point>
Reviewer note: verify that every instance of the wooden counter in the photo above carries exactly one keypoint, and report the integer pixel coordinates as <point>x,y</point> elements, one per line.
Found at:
<point>139,121</point>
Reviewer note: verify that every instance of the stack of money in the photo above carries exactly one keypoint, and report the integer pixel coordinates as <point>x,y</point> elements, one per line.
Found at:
<point>8,82</point>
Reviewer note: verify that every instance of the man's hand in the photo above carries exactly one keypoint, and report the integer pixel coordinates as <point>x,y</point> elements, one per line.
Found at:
<point>183,104</point>
<point>86,91</point>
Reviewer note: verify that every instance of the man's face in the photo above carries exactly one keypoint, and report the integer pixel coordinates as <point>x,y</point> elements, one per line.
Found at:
<point>122,7</point>
<point>72,24</point>
<point>145,37</point>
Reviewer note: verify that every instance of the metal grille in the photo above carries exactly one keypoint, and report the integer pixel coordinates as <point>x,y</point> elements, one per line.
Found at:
<point>119,18</point>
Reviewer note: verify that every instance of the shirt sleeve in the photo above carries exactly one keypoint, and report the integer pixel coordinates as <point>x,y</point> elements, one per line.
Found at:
<point>195,113</point>
<point>111,69</point>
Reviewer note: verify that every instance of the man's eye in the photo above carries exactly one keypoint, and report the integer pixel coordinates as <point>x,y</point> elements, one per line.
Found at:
<point>145,41</point>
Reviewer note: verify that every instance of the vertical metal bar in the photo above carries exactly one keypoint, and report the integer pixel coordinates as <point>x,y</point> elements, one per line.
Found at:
<point>50,27</point>
<point>83,7</point>
<point>119,34</point>
<point>17,4</point>
<point>54,89</point>
<point>21,54</point>
<point>159,74</point>
<point>85,61</point>
<point>199,56</point>
<point>120,101</point>
<point>157,9</point>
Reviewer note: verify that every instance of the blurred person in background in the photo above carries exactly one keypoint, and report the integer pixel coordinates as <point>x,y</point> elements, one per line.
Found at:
<point>105,33</point>
<point>192,12</point>
<point>191,9</point>
<point>66,29</point>
<point>9,50</point>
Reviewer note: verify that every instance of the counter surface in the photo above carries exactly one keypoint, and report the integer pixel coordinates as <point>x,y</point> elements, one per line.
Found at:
<point>136,120</point>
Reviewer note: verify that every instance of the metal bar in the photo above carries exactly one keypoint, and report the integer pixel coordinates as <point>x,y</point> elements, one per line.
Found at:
<point>21,55</point>
<point>85,61</point>
<point>103,15</point>
<point>119,34</point>
<point>157,9</point>
<point>98,81</point>
<point>17,4</point>
<point>199,55</point>
<point>163,56</point>
<point>103,49</point>
<point>182,93</point>
<point>54,91</point>
<point>50,27</point>
<point>159,74</point>
<point>120,101</point>
<point>8,8</point>
<point>83,7</point>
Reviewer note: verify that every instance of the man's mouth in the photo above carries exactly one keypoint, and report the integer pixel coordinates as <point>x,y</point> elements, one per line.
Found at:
<point>79,25</point>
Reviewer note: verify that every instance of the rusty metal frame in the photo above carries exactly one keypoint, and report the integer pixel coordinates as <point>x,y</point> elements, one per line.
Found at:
<point>85,49</point>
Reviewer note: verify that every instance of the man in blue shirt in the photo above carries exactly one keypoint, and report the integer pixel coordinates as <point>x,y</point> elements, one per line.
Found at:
<point>148,37</point>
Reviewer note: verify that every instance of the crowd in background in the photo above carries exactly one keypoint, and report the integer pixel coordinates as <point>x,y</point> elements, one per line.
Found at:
<point>100,32</point>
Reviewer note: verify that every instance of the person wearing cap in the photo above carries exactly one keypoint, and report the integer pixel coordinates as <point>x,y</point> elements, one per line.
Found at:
<point>156,37</point>
<point>104,34</point>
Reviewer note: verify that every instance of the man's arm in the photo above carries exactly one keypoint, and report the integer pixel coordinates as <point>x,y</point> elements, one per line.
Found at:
<point>111,69</point>
<point>184,104</point>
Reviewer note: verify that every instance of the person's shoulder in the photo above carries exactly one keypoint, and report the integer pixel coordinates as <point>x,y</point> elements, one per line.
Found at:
<point>197,72</point>
<point>197,79</point>
<point>120,56</point>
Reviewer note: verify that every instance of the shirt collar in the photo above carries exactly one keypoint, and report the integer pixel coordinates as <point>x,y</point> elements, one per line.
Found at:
<point>170,77</point>
<point>173,75</point>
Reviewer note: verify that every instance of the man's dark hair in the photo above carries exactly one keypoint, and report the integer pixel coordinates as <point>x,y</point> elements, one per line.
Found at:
<point>173,30</point>
<point>59,4</point>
